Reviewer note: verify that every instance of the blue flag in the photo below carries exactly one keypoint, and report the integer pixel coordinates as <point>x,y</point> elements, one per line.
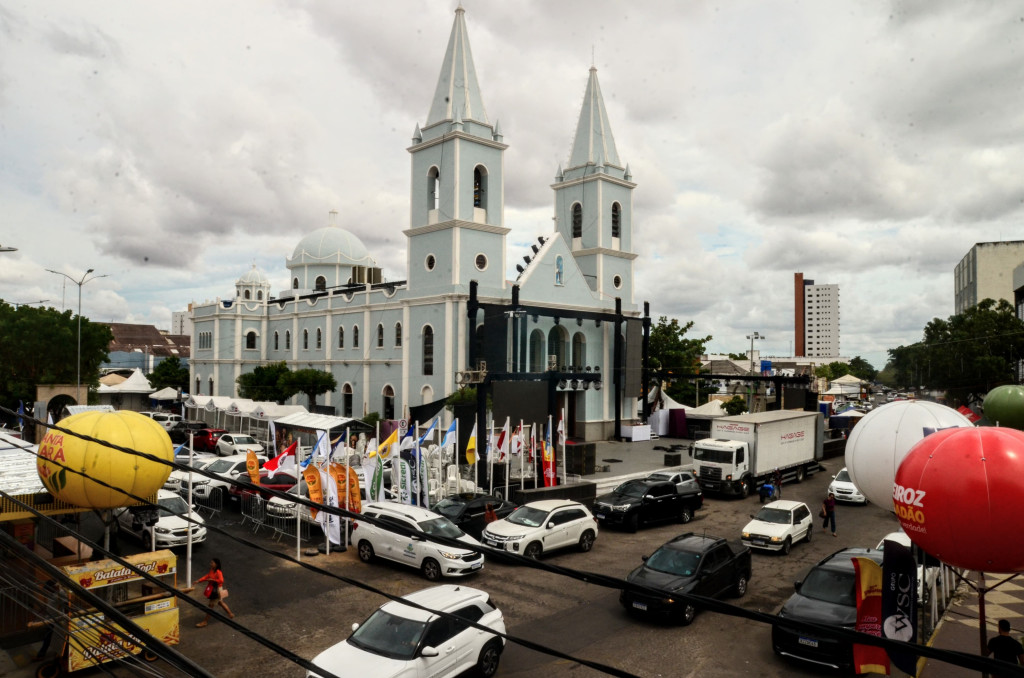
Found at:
<point>423,438</point>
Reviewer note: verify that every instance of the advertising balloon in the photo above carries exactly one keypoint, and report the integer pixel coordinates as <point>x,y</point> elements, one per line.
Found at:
<point>877,444</point>
<point>959,495</point>
<point>127,472</point>
<point>1004,406</point>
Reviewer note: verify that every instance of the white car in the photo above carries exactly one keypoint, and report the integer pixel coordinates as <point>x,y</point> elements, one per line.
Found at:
<point>398,640</point>
<point>433,559</point>
<point>165,419</point>
<point>177,481</point>
<point>845,490</point>
<point>542,526</point>
<point>166,521</point>
<point>927,577</point>
<point>237,443</point>
<point>778,525</point>
<point>228,469</point>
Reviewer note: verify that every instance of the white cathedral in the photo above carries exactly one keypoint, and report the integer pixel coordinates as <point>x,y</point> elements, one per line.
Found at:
<point>395,346</point>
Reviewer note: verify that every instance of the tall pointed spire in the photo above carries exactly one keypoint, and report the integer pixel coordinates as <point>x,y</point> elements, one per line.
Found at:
<point>594,143</point>
<point>457,88</point>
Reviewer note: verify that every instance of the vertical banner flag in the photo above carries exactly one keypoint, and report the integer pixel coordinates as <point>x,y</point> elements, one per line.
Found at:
<point>868,587</point>
<point>347,482</point>
<point>330,523</point>
<point>401,479</point>
<point>316,494</point>
<point>323,448</point>
<point>252,466</point>
<point>272,437</point>
<point>533,444</point>
<point>471,447</point>
<point>899,602</point>
<point>375,490</point>
<point>549,457</point>
<point>424,476</point>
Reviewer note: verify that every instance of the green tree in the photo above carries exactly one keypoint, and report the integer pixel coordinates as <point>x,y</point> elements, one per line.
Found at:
<point>264,384</point>
<point>838,369</point>
<point>965,355</point>
<point>862,369</point>
<point>734,406</point>
<point>371,420</point>
<point>40,346</point>
<point>169,372</point>
<point>310,382</point>
<point>672,354</point>
<point>823,372</point>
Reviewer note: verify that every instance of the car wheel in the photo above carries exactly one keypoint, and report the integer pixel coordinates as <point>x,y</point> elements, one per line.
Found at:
<point>739,589</point>
<point>787,546</point>
<point>689,612</point>
<point>365,551</point>
<point>686,515</point>
<point>50,669</point>
<point>431,569</point>
<point>801,474</point>
<point>810,529</point>
<point>533,550</point>
<point>487,662</point>
<point>633,523</point>
<point>586,541</point>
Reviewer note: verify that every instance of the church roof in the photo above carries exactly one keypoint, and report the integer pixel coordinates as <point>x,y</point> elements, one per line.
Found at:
<point>253,276</point>
<point>458,91</point>
<point>330,245</point>
<point>594,143</point>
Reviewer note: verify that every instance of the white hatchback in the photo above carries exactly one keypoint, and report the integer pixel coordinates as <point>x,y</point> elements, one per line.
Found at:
<point>408,543</point>
<point>542,526</point>
<point>237,443</point>
<point>778,525</point>
<point>399,640</point>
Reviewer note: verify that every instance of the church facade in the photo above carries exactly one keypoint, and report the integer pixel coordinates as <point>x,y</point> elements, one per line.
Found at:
<point>568,320</point>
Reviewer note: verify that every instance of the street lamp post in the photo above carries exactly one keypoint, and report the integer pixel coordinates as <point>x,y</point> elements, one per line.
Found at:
<point>78,367</point>
<point>750,401</point>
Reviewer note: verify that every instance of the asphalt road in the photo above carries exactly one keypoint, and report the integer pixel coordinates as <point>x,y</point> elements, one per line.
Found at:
<point>307,612</point>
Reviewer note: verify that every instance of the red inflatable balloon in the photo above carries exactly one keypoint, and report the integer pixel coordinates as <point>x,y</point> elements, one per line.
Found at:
<point>959,495</point>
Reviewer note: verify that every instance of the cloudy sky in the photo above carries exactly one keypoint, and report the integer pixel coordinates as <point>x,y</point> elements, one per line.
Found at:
<point>169,146</point>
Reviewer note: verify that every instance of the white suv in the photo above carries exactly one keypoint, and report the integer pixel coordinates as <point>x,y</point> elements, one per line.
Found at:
<point>229,469</point>
<point>433,559</point>
<point>777,525</point>
<point>409,641</point>
<point>542,526</point>
<point>165,419</point>
<point>165,521</point>
<point>237,443</point>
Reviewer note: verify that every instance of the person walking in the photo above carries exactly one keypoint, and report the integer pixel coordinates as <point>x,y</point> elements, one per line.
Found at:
<point>1004,647</point>
<point>828,512</point>
<point>217,593</point>
<point>489,515</point>
<point>777,483</point>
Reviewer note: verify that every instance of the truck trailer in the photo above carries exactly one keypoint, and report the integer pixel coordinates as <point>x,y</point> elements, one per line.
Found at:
<point>745,450</point>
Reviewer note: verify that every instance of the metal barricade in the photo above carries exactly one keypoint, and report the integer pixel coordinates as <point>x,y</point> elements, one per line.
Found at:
<point>282,522</point>
<point>254,510</point>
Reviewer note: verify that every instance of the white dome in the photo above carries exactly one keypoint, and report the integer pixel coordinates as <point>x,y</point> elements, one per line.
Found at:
<point>330,245</point>
<point>253,276</point>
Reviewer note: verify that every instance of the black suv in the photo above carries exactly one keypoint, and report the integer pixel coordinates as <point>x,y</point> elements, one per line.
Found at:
<point>825,595</point>
<point>180,431</point>
<point>646,501</point>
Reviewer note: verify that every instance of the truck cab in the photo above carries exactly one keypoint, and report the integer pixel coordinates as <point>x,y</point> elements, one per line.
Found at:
<point>722,465</point>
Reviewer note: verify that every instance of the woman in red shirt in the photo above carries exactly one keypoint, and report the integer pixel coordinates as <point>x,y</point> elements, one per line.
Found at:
<point>219,593</point>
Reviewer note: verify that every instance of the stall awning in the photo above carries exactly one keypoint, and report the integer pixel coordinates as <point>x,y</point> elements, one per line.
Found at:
<point>321,422</point>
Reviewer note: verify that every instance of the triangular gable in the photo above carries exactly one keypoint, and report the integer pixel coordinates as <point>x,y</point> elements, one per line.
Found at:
<point>847,379</point>
<point>540,282</point>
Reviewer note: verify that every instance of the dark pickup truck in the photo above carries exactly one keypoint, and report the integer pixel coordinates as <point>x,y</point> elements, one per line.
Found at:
<point>648,501</point>
<point>689,564</point>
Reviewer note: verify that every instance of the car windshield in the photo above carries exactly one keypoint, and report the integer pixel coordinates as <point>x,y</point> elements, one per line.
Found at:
<point>830,586</point>
<point>773,515</point>
<point>843,476</point>
<point>244,440</point>
<point>221,466</point>
<point>659,476</point>
<point>388,635</point>
<point>714,456</point>
<point>527,516</point>
<point>450,506</point>
<point>174,506</point>
<point>632,488</point>
<point>441,527</point>
<point>671,561</point>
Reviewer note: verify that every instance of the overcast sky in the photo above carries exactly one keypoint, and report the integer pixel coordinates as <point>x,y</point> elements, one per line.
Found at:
<point>170,146</point>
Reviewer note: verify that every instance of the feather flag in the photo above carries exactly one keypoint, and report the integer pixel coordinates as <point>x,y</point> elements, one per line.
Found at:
<point>471,447</point>
<point>375,472</point>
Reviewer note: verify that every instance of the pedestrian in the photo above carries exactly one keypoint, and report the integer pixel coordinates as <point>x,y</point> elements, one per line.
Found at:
<point>828,512</point>
<point>777,482</point>
<point>489,515</point>
<point>215,590</point>
<point>1004,647</point>
<point>54,607</point>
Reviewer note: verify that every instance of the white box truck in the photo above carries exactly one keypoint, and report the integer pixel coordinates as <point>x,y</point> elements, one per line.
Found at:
<point>745,450</point>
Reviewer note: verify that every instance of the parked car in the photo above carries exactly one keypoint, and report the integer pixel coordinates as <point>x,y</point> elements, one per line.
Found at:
<point>844,489</point>
<point>542,526</point>
<point>778,525</point>
<point>177,481</point>
<point>229,469</point>
<point>684,480</point>
<point>826,596</point>
<point>282,481</point>
<point>165,419</point>
<point>432,558</point>
<point>165,521</point>
<point>468,510</point>
<point>180,430</point>
<point>237,443</point>
<point>927,574</point>
<point>689,564</point>
<point>398,640</point>
<point>205,439</point>
<point>646,501</point>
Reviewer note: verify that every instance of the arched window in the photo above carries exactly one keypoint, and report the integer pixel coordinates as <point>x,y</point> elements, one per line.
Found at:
<point>305,340</point>
<point>259,295</point>
<point>346,400</point>
<point>428,350</point>
<point>577,220</point>
<point>295,283</point>
<point>250,340</point>
<point>398,335</point>
<point>287,340</point>
<point>389,402</point>
<point>616,220</point>
<point>247,295</point>
<point>277,341</point>
<point>579,351</point>
<point>319,339</point>
<point>433,188</point>
<point>538,357</point>
<point>426,395</point>
<point>479,187</point>
<point>355,336</point>
<point>556,346</point>
<point>341,337</point>
<point>380,336</point>
<point>321,283</point>
<point>198,391</point>
<point>211,385</point>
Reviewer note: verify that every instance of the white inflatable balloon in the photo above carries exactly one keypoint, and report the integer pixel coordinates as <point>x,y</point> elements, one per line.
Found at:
<point>880,441</point>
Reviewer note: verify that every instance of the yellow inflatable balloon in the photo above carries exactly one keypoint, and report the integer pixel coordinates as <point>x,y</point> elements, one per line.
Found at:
<point>128,472</point>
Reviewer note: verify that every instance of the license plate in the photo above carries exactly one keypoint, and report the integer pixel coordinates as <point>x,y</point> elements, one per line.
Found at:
<point>476,566</point>
<point>759,542</point>
<point>491,543</point>
<point>809,642</point>
<point>599,516</point>
<point>640,606</point>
